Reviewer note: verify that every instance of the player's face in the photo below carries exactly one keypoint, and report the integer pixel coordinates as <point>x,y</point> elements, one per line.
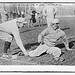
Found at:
<point>55,26</point>
<point>20,24</point>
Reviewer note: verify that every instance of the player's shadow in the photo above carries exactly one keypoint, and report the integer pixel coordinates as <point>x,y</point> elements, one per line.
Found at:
<point>31,45</point>
<point>65,28</point>
<point>71,44</point>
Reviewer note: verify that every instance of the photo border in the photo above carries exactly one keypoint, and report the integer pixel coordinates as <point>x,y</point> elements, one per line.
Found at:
<point>10,69</point>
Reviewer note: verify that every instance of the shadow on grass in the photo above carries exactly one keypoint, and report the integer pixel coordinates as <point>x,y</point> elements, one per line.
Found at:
<point>62,45</point>
<point>29,45</point>
<point>27,30</point>
<point>65,28</point>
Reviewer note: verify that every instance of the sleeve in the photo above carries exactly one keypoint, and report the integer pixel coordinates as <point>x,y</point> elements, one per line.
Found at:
<point>44,11</point>
<point>42,34</point>
<point>3,11</point>
<point>18,41</point>
<point>55,9</point>
<point>65,41</point>
<point>28,11</point>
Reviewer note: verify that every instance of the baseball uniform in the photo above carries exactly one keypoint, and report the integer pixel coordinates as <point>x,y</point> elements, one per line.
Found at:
<point>11,28</point>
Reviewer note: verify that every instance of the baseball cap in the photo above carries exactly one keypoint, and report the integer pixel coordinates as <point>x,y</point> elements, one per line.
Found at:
<point>21,19</point>
<point>55,21</point>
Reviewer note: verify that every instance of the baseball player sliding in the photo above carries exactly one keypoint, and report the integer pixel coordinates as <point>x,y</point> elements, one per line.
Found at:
<point>48,39</point>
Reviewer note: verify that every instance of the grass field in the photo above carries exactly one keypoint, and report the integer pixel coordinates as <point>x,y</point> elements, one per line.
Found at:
<point>29,37</point>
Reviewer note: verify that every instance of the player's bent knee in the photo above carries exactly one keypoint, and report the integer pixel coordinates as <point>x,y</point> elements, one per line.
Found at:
<point>57,52</point>
<point>32,54</point>
<point>9,39</point>
<point>54,50</point>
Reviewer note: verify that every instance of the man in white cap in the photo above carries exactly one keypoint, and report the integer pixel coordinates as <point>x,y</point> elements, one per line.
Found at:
<point>48,39</point>
<point>49,12</point>
<point>8,31</point>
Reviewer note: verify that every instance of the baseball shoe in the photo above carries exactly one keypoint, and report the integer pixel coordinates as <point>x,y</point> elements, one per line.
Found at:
<point>5,56</point>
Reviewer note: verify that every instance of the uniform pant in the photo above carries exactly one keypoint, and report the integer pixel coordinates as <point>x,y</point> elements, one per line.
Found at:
<point>49,20</point>
<point>5,36</point>
<point>39,18</point>
<point>55,51</point>
<point>4,18</point>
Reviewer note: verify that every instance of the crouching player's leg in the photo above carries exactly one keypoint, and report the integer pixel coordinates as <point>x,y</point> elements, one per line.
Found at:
<point>56,52</point>
<point>7,38</point>
<point>6,48</point>
<point>39,50</point>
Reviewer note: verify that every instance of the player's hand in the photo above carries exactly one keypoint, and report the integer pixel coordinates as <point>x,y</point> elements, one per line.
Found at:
<point>39,41</point>
<point>26,53</point>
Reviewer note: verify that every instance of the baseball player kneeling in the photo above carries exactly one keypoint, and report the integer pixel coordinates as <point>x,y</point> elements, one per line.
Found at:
<point>48,39</point>
<point>8,31</point>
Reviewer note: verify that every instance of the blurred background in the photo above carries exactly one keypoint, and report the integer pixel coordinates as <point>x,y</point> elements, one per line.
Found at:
<point>13,9</point>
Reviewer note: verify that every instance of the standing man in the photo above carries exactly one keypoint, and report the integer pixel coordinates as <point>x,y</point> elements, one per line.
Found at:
<point>33,19</point>
<point>22,13</point>
<point>48,39</point>
<point>39,17</point>
<point>29,13</point>
<point>49,12</point>
<point>8,31</point>
<point>3,14</point>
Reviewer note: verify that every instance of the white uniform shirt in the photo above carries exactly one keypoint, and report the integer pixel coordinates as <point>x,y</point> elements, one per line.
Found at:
<point>11,27</point>
<point>50,37</point>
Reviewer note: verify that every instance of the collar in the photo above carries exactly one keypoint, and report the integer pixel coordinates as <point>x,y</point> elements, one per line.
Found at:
<point>58,30</point>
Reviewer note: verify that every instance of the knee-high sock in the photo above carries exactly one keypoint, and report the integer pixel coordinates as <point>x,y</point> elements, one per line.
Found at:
<point>6,46</point>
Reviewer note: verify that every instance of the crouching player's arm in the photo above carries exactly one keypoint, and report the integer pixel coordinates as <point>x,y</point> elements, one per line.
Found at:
<point>44,12</point>
<point>19,42</point>
<point>65,41</point>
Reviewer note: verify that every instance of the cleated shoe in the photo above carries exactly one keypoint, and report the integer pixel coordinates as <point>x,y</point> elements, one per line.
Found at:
<point>14,57</point>
<point>5,56</point>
